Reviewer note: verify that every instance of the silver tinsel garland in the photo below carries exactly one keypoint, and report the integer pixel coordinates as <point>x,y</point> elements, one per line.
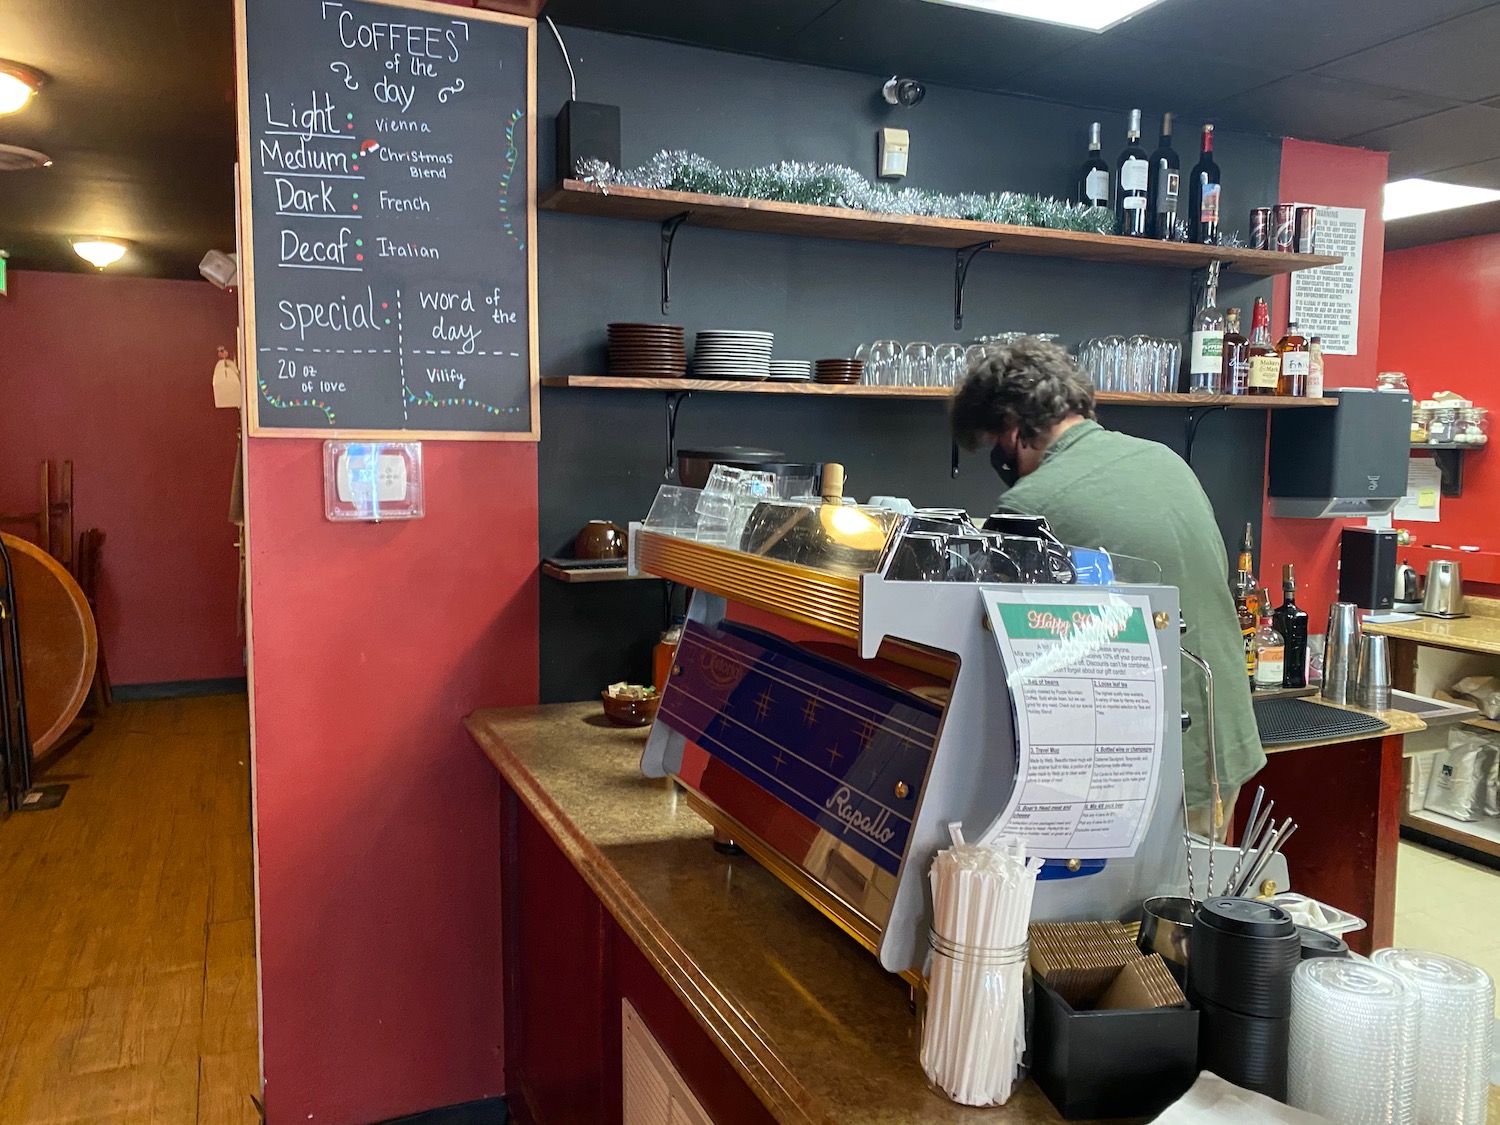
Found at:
<point>833,185</point>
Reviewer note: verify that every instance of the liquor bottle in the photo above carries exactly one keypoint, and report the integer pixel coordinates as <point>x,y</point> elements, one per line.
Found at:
<point>1292,349</point>
<point>1270,656</point>
<point>1093,177</point>
<point>1161,202</point>
<point>1132,175</point>
<point>1315,367</point>
<point>1265,364</point>
<point>1235,374</point>
<point>1205,349</point>
<point>1291,622</point>
<point>1203,193</point>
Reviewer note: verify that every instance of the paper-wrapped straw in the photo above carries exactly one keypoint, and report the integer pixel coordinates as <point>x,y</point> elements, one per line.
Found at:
<point>974,1032</point>
<point>1453,1048</point>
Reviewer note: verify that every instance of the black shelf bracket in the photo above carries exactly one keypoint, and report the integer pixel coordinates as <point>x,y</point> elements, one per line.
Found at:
<point>962,259</point>
<point>674,401</point>
<point>1450,463</point>
<point>1191,423</point>
<point>668,237</point>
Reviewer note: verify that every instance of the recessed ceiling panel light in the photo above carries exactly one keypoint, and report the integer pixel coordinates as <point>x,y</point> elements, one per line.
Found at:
<point>17,84</point>
<point>1405,198</point>
<point>99,252</point>
<point>1090,15</point>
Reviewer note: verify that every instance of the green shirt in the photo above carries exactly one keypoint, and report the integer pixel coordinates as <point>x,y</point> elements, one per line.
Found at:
<point>1129,496</point>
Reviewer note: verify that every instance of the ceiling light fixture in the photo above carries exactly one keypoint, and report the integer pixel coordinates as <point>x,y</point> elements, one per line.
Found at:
<point>17,84</point>
<point>99,252</point>
<point>1090,15</point>
<point>1405,198</point>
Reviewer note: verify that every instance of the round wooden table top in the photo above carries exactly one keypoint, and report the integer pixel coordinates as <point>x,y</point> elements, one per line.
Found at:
<point>58,643</point>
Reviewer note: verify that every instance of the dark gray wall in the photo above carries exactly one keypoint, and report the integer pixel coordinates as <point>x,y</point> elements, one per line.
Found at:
<point>602,452</point>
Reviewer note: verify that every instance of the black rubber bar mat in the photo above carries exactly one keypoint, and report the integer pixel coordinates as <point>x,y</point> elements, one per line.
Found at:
<point>1296,720</point>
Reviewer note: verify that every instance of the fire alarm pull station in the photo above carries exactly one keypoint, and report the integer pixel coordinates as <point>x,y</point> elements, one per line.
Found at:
<point>373,481</point>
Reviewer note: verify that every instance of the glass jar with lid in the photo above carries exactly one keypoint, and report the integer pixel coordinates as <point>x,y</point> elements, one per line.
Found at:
<point>1470,429</point>
<point>1419,417</point>
<point>1442,423</point>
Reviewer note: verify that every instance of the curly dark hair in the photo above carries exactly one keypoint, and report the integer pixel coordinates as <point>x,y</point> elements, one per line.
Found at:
<point>1029,385</point>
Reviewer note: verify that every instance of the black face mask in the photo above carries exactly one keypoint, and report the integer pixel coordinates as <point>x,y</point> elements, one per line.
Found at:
<point>1003,466</point>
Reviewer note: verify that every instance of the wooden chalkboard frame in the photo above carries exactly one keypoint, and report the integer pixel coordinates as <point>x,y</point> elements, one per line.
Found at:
<point>249,357</point>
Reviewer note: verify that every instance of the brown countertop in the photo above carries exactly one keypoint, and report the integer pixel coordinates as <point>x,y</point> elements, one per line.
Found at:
<point>808,1018</point>
<point>1399,722</point>
<point>1479,632</point>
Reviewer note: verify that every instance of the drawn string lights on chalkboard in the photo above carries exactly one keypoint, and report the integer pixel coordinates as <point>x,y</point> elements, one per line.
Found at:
<point>426,399</point>
<point>511,156</point>
<point>288,404</point>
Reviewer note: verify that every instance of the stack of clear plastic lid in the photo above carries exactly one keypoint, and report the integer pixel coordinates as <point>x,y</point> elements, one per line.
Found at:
<point>1458,1008</point>
<point>727,500</point>
<point>1353,1051</point>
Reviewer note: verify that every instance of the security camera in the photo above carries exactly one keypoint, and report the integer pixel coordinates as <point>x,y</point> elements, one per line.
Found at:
<point>220,268</point>
<point>903,91</point>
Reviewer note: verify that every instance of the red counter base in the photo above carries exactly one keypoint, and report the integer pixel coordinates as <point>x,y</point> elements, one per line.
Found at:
<point>568,965</point>
<point>1346,800</point>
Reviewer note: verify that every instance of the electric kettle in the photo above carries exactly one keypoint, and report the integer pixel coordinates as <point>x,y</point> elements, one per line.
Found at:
<point>1408,590</point>
<point>1444,596</point>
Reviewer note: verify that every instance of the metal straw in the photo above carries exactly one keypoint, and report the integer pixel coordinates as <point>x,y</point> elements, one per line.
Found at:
<point>1260,794</point>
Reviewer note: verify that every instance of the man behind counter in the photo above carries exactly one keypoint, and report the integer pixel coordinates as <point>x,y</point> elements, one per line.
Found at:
<point>1032,405</point>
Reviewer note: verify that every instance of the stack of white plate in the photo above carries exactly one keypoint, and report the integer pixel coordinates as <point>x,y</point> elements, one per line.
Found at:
<point>730,354</point>
<point>791,370</point>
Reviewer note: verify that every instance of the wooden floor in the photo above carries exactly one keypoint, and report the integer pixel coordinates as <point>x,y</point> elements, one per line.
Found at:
<point>127,928</point>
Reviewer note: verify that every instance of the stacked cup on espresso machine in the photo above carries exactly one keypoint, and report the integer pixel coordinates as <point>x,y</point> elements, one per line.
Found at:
<point>1241,956</point>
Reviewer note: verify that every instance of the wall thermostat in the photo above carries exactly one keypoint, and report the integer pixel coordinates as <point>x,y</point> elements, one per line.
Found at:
<point>373,481</point>
<point>894,145</point>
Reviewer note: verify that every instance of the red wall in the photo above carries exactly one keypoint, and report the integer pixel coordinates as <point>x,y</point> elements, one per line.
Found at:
<point>1339,177</point>
<point>377,820</point>
<point>1442,316</point>
<point>115,374</point>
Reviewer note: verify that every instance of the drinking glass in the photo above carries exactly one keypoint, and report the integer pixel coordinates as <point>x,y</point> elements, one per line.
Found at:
<point>974,355</point>
<point>1112,363</point>
<point>884,365</point>
<point>1138,364</point>
<point>1173,363</point>
<point>920,366</point>
<point>950,364</point>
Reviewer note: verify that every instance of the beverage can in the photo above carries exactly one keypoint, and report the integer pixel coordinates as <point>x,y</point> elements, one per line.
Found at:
<point>1284,229</point>
<point>1260,228</point>
<point>1307,228</point>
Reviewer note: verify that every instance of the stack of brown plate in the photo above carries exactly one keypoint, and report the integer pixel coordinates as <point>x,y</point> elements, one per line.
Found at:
<point>647,351</point>
<point>838,371</point>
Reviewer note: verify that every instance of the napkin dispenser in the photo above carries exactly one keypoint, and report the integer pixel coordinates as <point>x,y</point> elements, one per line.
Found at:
<point>1347,460</point>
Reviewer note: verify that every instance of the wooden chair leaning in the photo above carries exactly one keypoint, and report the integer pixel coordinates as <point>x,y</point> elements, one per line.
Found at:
<point>86,567</point>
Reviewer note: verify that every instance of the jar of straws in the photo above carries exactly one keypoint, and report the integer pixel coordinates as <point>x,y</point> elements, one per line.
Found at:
<point>973,1013</point>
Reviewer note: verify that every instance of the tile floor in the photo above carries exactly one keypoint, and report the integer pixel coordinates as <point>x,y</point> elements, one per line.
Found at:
<point>1448,905</point>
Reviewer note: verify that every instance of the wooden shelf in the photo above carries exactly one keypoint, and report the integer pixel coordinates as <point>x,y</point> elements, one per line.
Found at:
<point>768,217</point>
<point>1483,724</point>
<point>858,390</point>
<point>619,573</point>
<point>1481,835</point>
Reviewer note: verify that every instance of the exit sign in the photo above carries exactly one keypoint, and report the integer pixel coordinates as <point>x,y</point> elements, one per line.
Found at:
<point>3,279</point>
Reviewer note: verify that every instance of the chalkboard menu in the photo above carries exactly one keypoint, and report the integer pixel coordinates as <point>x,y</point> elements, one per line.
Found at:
<point>387,204</point>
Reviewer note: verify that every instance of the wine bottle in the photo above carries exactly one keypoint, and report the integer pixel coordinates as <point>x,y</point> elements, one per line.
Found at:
<point>1132,175</point>
<point>1203,193</point>
<point>1161,202</point>
<point>1093,177</point>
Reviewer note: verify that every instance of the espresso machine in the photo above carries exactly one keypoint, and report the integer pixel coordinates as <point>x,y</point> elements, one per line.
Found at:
<point>842,727</point>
